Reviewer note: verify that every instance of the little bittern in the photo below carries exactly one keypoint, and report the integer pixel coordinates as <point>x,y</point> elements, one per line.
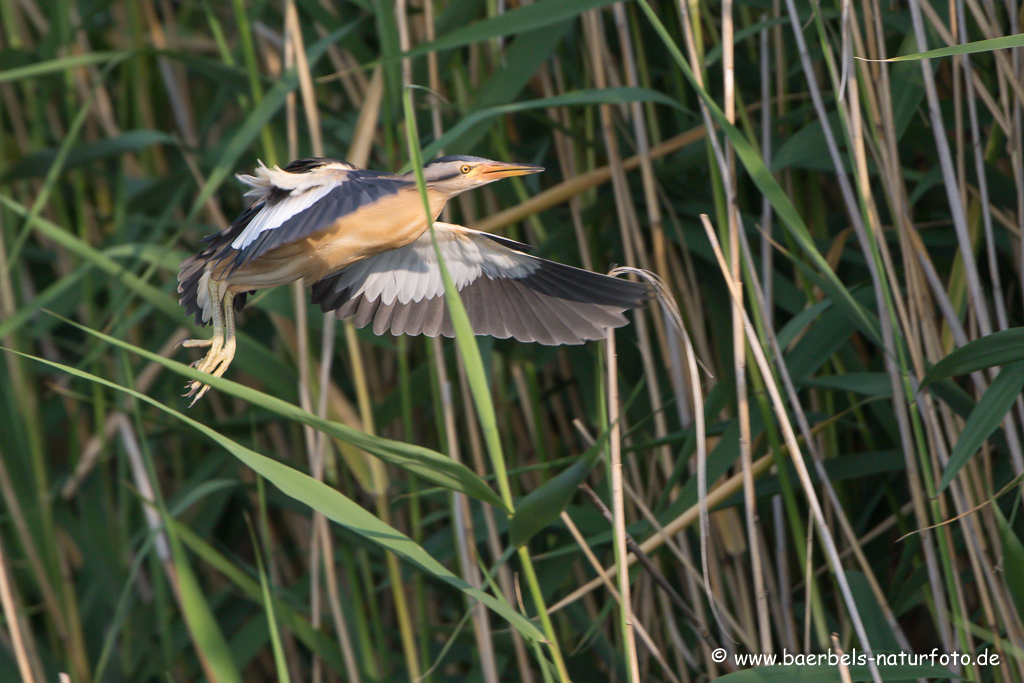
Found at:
<point>360,239</point>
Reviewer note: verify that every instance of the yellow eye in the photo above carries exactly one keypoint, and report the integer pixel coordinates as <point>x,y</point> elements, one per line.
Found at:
<point>464,168</point>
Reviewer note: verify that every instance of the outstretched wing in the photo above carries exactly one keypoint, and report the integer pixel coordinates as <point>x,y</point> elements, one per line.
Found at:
<point>506,292</point>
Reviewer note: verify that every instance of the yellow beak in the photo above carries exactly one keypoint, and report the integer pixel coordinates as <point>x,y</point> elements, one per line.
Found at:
<point>493,170</point>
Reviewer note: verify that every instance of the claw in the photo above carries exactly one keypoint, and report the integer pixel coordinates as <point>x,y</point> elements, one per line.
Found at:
<point>202,388</point>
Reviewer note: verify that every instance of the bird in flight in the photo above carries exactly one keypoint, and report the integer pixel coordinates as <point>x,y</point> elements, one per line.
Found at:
<point>361,239</point>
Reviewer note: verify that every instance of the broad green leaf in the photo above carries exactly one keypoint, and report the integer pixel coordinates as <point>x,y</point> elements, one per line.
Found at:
<point>570,99</point>
<point>998,348</point>
<point>907,89</point>
<point>541,507</point>
<point>867,383</point>
<point>1013,559</point>
<point>798,322</point>
<point>803,148</point>
<point>322,498</point>
<point>819,344</point>
<point>846,299</point>
<point>38,163</point>
<point>985,418</point>
<point>430,465</point>
<point>966,49</point>
<point>61,64</point>
<point>518,20</point>
<point>882,637</point>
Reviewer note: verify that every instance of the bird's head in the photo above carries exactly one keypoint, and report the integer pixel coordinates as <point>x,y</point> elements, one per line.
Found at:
<point>454,175</point>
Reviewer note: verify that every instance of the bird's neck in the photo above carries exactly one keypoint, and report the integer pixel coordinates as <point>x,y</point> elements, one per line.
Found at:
<point>437,204</point>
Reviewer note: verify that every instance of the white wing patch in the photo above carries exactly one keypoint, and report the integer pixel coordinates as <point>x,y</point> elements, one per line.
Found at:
<point>272,217</point>
<point>410,273</point>
<point>306,189</point>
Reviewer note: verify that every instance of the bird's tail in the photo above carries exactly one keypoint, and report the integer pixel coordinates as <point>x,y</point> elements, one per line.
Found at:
<point>193,286</point>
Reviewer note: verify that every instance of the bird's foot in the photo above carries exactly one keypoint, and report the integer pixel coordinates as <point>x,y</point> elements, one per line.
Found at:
<point>215,363</point>
<point>204,364</point>
<point>221,345</point>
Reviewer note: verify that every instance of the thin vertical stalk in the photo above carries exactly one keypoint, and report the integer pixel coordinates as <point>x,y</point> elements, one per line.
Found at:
<point>950,183</point>
<point>463,524</point>
<point>618,508</point>
<point>767,267</point>
<point>252,70</point>
<point>738,346</point>
<point>470,354</point>
<point>21,637</point>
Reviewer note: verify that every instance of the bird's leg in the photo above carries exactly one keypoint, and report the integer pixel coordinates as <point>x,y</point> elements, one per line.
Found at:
<point>215,343</point>
<point>213,289</point>
<point>227,350</point>
<point>222,350</point>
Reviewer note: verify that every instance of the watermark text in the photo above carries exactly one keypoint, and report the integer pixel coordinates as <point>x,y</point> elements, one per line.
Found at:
<point>859,658</point>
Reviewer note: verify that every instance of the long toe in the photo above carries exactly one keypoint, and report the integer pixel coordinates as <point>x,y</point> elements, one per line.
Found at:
<point>209,360</point>
<point>196,343</point>
<point>205,388</point>
<point>221,365</point>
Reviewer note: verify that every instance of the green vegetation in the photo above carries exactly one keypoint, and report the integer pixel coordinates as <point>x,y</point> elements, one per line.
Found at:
<point>842,475</point>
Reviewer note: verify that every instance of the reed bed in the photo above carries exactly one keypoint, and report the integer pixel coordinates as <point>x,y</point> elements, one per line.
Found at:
<point>810,444</point>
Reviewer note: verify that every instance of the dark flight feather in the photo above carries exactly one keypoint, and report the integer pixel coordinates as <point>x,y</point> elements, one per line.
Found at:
<point>555,304</point>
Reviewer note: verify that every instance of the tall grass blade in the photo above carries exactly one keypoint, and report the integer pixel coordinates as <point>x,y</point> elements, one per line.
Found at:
<point>998,348</point>
<point>318,496</point>
<point>431,465</point>
<point>1004,43</point>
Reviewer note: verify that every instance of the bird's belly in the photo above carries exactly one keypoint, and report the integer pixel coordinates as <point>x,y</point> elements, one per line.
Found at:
<point>364,233</point>
<point>280,266</point>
